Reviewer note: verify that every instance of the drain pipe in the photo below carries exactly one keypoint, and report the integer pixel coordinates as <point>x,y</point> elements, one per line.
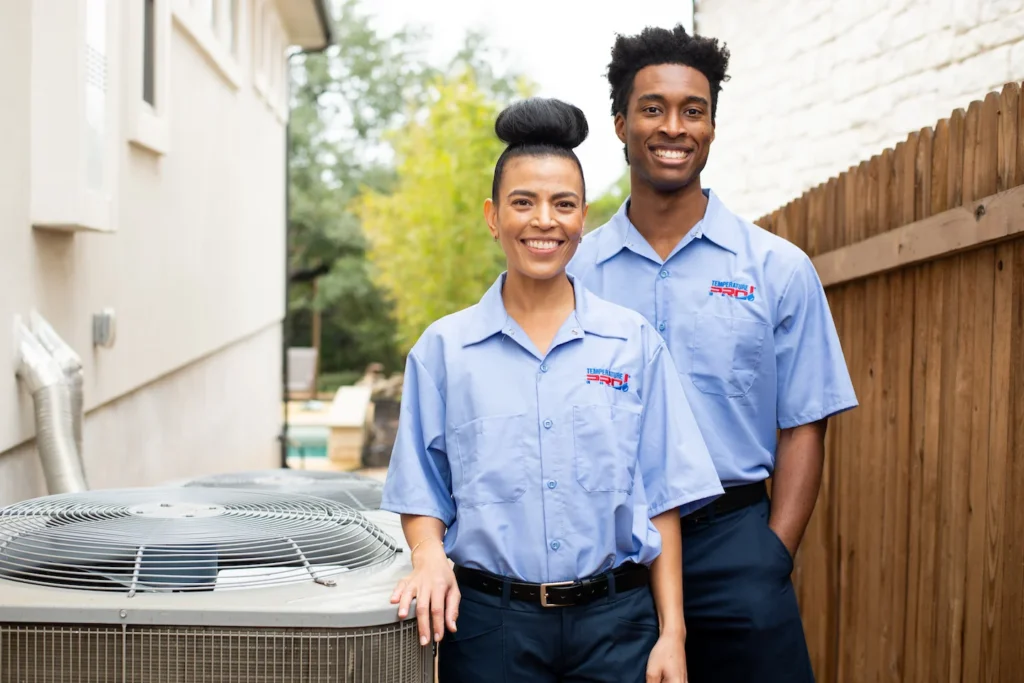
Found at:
<point>46,382</point>
<point>71,365</point>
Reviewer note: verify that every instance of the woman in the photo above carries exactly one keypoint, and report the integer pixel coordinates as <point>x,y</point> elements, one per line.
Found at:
<point>546,448</point>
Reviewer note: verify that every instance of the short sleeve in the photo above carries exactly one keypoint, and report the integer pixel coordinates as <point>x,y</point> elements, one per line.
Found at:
<point>675,465</point>
<point>418,481</point>
<point>813,380</point>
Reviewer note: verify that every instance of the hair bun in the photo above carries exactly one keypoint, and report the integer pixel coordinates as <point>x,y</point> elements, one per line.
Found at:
<point>542,121</point>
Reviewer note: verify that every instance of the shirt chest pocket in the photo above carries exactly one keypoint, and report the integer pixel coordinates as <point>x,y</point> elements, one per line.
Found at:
<point>492,460</point>
<point>726,354</point>
<point>605,443</point>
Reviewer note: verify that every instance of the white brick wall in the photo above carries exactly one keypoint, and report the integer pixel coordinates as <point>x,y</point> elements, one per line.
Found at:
<point>818,85</point>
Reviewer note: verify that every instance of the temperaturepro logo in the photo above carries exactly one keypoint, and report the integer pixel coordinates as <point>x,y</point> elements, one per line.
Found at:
<point>736,290</point>
<point>616,380</point>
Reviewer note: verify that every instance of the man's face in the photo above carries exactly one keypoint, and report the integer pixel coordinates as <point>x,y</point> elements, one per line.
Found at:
<point>667,126</point>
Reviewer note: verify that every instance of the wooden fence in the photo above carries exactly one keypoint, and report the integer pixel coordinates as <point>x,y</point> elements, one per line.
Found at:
<point>912,569</point>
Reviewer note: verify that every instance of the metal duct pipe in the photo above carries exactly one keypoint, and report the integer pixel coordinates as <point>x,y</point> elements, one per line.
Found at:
<point>71,365</point>
<point>44,377</point>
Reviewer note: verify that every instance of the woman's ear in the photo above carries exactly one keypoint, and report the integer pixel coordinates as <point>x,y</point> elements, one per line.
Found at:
<point>491,216</point>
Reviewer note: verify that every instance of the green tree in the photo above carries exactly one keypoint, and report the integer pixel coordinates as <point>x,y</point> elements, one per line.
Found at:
<point>343,102</point>
<point>605,206</point>
<point>430,245</point>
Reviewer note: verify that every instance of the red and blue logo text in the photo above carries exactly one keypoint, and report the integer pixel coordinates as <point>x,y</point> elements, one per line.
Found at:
<point>616,380</point>
<point>736,290</point>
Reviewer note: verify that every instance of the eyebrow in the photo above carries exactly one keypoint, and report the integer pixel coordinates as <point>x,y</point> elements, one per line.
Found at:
<point>533,195</point>
<point>692,99</point>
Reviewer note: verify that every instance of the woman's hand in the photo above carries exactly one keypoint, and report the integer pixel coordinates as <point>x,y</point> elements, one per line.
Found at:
<point>432,583</point>
<point>667,661</point>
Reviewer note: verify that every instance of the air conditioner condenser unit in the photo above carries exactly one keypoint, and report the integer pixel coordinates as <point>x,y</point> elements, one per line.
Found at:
<point>201,585</point>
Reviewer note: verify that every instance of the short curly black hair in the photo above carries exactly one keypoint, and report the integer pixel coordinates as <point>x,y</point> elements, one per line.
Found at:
<point>656,45</point>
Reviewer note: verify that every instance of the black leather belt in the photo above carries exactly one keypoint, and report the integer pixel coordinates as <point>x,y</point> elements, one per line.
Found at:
<point>559,594</point>
<point>735,498</point>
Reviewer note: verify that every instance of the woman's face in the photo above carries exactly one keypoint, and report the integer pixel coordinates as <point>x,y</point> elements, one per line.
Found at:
<point>538,217</point>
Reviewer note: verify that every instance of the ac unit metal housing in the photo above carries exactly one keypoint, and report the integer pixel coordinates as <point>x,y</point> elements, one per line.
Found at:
<point>355,490</point>
<point>199,585</point>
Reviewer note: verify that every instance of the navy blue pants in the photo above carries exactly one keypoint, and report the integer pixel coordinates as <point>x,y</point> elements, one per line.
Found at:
<point>742,620</point>
<point>510,641</point>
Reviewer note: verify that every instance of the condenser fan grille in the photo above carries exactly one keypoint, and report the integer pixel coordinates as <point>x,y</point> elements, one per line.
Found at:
<point>184,539</point>
<point>355,490</point>
<point>34,653</point>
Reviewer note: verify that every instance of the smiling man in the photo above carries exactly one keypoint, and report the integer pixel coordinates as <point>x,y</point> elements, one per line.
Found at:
<point>746,320</point>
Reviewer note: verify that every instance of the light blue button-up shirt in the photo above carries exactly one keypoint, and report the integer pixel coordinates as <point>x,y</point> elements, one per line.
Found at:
<point>546,466</point>
<point>746,320</point>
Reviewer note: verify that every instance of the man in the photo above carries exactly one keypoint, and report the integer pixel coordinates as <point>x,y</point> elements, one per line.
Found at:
<point>746,320</point>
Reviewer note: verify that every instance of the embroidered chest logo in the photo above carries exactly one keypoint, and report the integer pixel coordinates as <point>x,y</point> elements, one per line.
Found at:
<point>616,380</point>
<point>736,290</point>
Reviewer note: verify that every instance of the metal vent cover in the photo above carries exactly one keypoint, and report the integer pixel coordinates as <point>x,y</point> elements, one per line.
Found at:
<point>184,539</point>
<point>37,653</point>
<point>355,490</point>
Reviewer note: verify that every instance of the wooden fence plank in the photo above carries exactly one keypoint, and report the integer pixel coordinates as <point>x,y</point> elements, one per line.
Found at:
<point>816,587</point>
<point>898,389</point>
<point>946,537</point>
<point>1002,317</point>
<point>922,178</point>
<point>827,665</point>
<point>1009,127</point>
<point>825,231</point>
<point>872,171</point>
<point>883,373</point>
<point>923,468</point>
<point>955,169</point>
<point>956,500</point>
<point>1020,143</point>
<point>984,182</point>
<point>1012,623</point>
<point>851,615</point>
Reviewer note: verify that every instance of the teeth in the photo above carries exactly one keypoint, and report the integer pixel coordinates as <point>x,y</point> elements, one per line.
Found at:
<point>670,153</point>
<point>541,244</point>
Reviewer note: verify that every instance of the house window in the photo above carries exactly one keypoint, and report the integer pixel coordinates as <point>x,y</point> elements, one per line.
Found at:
<point>149,53</point>
<point>212,26</point>
<point>229,25</point>
<point>269,42</point>
<point>147,123</point>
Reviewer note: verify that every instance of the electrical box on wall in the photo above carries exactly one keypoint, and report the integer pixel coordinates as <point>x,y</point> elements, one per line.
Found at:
<point>74,115</point>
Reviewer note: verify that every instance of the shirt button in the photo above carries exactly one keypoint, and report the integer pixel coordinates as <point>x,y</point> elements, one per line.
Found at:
<point>548,424</point>
<point>552,484</point>
<point>544,367</point>
<point>555,545</point>
<point>663,274</point>
<point>662,326</point>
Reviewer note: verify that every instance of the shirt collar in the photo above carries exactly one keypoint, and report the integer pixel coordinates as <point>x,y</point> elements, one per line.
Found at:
<point>718,225</point>
<point>489,316</point>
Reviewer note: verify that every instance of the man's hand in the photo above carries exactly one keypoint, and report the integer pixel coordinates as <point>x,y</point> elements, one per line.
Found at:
<point>667,661</point>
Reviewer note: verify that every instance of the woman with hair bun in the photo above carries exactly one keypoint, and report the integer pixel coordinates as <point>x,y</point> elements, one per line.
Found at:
<point>546,450</point>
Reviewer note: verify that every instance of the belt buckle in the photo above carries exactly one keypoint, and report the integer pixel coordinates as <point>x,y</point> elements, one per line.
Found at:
<point>544,592</point>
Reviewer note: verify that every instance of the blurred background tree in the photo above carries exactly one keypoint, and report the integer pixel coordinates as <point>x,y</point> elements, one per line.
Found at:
<point>604,207</point>
<point>384,144</point>
<point>431,249</point>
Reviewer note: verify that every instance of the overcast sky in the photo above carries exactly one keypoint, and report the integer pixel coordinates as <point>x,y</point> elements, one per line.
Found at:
<point>562,45</point>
